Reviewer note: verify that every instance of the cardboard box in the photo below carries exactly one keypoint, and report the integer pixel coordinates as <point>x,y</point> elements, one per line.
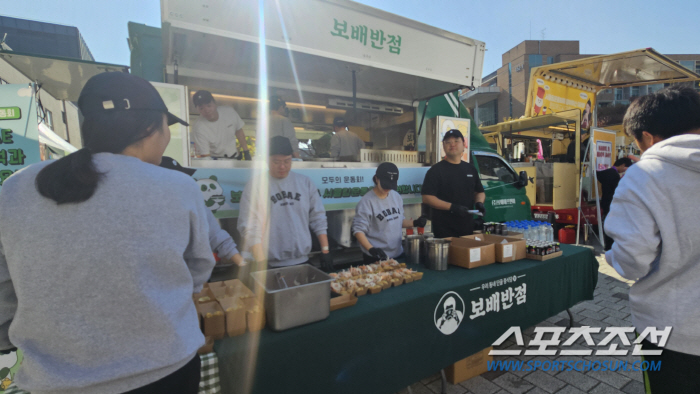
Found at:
<point>471,366</point>
<point>235,312</point>
<point>470,253</point>
<point>514,249</point>
<point>213,320</point>
<point>514,234</point>
<point>203,297</point>
<point>218,291</point>
<point>255,314</point>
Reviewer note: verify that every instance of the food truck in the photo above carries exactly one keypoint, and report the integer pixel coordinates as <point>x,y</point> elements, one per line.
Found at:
<point>561,102</point>
<point>395,81</point>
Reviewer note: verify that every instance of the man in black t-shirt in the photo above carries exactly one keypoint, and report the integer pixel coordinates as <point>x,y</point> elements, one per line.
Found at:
<point>452,187</point>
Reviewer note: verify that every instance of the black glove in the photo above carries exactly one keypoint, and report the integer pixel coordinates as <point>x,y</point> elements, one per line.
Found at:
<point>8,351</point>
<point>459,210</point>
<point>480,207</point>
<point>378,254</point>
<point>246,154</point>
<point>420,222</point>
<point>327,262</point>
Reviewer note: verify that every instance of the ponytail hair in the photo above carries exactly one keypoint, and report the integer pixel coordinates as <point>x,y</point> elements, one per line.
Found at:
<point>70,179</point>
<point>74,178</point>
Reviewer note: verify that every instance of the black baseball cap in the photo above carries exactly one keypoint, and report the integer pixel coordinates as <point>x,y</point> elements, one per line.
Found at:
<point>388,176</point>
<point>172,164</point>
<point>118,91</point>
<point>454,133</point>
<point>280,146</point>
<point>202,97</point>
<point>339,121</point>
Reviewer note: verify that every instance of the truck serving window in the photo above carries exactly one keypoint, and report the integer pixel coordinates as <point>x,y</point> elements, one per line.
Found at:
<point>494,169</point>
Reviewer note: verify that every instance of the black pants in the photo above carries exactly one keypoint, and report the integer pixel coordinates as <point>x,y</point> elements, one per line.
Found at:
<point>183,381</point>
<point>678,373</point>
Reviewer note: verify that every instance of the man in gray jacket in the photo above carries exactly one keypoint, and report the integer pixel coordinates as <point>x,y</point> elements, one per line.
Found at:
<point>654,220</point>
<point>345,145</point>
<point>283,205</point>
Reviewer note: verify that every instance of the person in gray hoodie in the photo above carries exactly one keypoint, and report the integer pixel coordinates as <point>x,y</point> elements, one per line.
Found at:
<point>379,217</point>
<point>220,241</point>
<point>100,253</point>
<point>654,220</point>
<point>278,209</point>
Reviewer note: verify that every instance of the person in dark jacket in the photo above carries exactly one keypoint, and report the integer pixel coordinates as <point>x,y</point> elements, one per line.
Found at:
<point>609,179</point>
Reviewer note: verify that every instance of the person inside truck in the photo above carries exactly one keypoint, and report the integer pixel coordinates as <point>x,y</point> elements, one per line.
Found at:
<point>216,131</point>
<point>345,145</point>
<point>280,124</point>
<point>102,251</point>
<point>379,217</point>
<point>284,205</point>
<point>451,188</point>
<point>571,149</point>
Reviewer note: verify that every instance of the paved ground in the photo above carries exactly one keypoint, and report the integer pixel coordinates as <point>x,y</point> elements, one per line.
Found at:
<point>608,308</point>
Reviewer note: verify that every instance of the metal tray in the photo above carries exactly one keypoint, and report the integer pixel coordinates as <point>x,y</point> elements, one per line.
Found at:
<point>294,296</point>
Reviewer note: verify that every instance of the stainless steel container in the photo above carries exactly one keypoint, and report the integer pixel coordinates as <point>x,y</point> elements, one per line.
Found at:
<point>423,249</point>
<point>294,296</point>
<point>438,250</point>
<point>413,247</point>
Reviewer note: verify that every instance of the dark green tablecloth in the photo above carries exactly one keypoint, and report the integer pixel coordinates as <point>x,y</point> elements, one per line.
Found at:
<point>390,340</point>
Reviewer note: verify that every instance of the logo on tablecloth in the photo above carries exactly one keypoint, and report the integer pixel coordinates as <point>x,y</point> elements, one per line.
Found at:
<point>449,313</point>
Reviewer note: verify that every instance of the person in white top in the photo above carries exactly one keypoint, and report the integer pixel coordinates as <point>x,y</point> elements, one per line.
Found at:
<point>345,145</point>
<point>215,133</point>
<point>280,124</point>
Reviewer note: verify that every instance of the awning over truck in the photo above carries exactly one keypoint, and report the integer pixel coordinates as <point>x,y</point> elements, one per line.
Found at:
<point>565,118</point>
<point>63,78</point>
<point>639,67</point>
<point>314,46</point>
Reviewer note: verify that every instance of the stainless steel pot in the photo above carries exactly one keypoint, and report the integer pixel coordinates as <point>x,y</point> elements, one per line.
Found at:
<point>413,248</point>
<point>438,252</point>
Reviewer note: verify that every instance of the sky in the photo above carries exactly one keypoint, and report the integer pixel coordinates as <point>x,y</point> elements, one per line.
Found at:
<point>601,26</point>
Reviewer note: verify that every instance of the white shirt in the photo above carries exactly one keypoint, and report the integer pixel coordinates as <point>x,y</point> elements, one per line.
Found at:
<point>279,125</point>
<point>218,138</point>
<point>346,143</point>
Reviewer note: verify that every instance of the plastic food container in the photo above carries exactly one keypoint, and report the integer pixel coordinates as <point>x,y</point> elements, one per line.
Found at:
<point>294,296</point>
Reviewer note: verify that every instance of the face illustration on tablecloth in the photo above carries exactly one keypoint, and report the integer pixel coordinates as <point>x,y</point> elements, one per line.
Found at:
<point>449,313</point>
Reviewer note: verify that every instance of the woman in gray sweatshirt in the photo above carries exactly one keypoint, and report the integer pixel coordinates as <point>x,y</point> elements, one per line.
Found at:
<point>379,217</point>
<point>100,253</point>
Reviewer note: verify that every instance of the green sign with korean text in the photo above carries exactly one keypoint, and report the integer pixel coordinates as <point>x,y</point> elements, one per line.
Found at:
<point>377,38</point>
<point>9,113</point>
<point>19,136</point>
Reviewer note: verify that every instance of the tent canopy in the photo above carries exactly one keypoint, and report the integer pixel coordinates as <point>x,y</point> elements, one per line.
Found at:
<point>63,78</point>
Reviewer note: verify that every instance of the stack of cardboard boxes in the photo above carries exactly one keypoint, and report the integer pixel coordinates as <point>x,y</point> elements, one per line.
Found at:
<point>477,250</point>
<point>227,308</point>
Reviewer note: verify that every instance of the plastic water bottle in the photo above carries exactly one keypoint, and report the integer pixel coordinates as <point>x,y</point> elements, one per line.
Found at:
<point>543,232</point>
<point>550,233</point>
<point>527,233</point>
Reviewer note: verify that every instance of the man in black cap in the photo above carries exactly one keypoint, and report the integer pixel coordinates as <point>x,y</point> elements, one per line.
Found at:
<point>216,131</point>
<point>284,205</point>
<point>452,187</point>
<point>345,145</point>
